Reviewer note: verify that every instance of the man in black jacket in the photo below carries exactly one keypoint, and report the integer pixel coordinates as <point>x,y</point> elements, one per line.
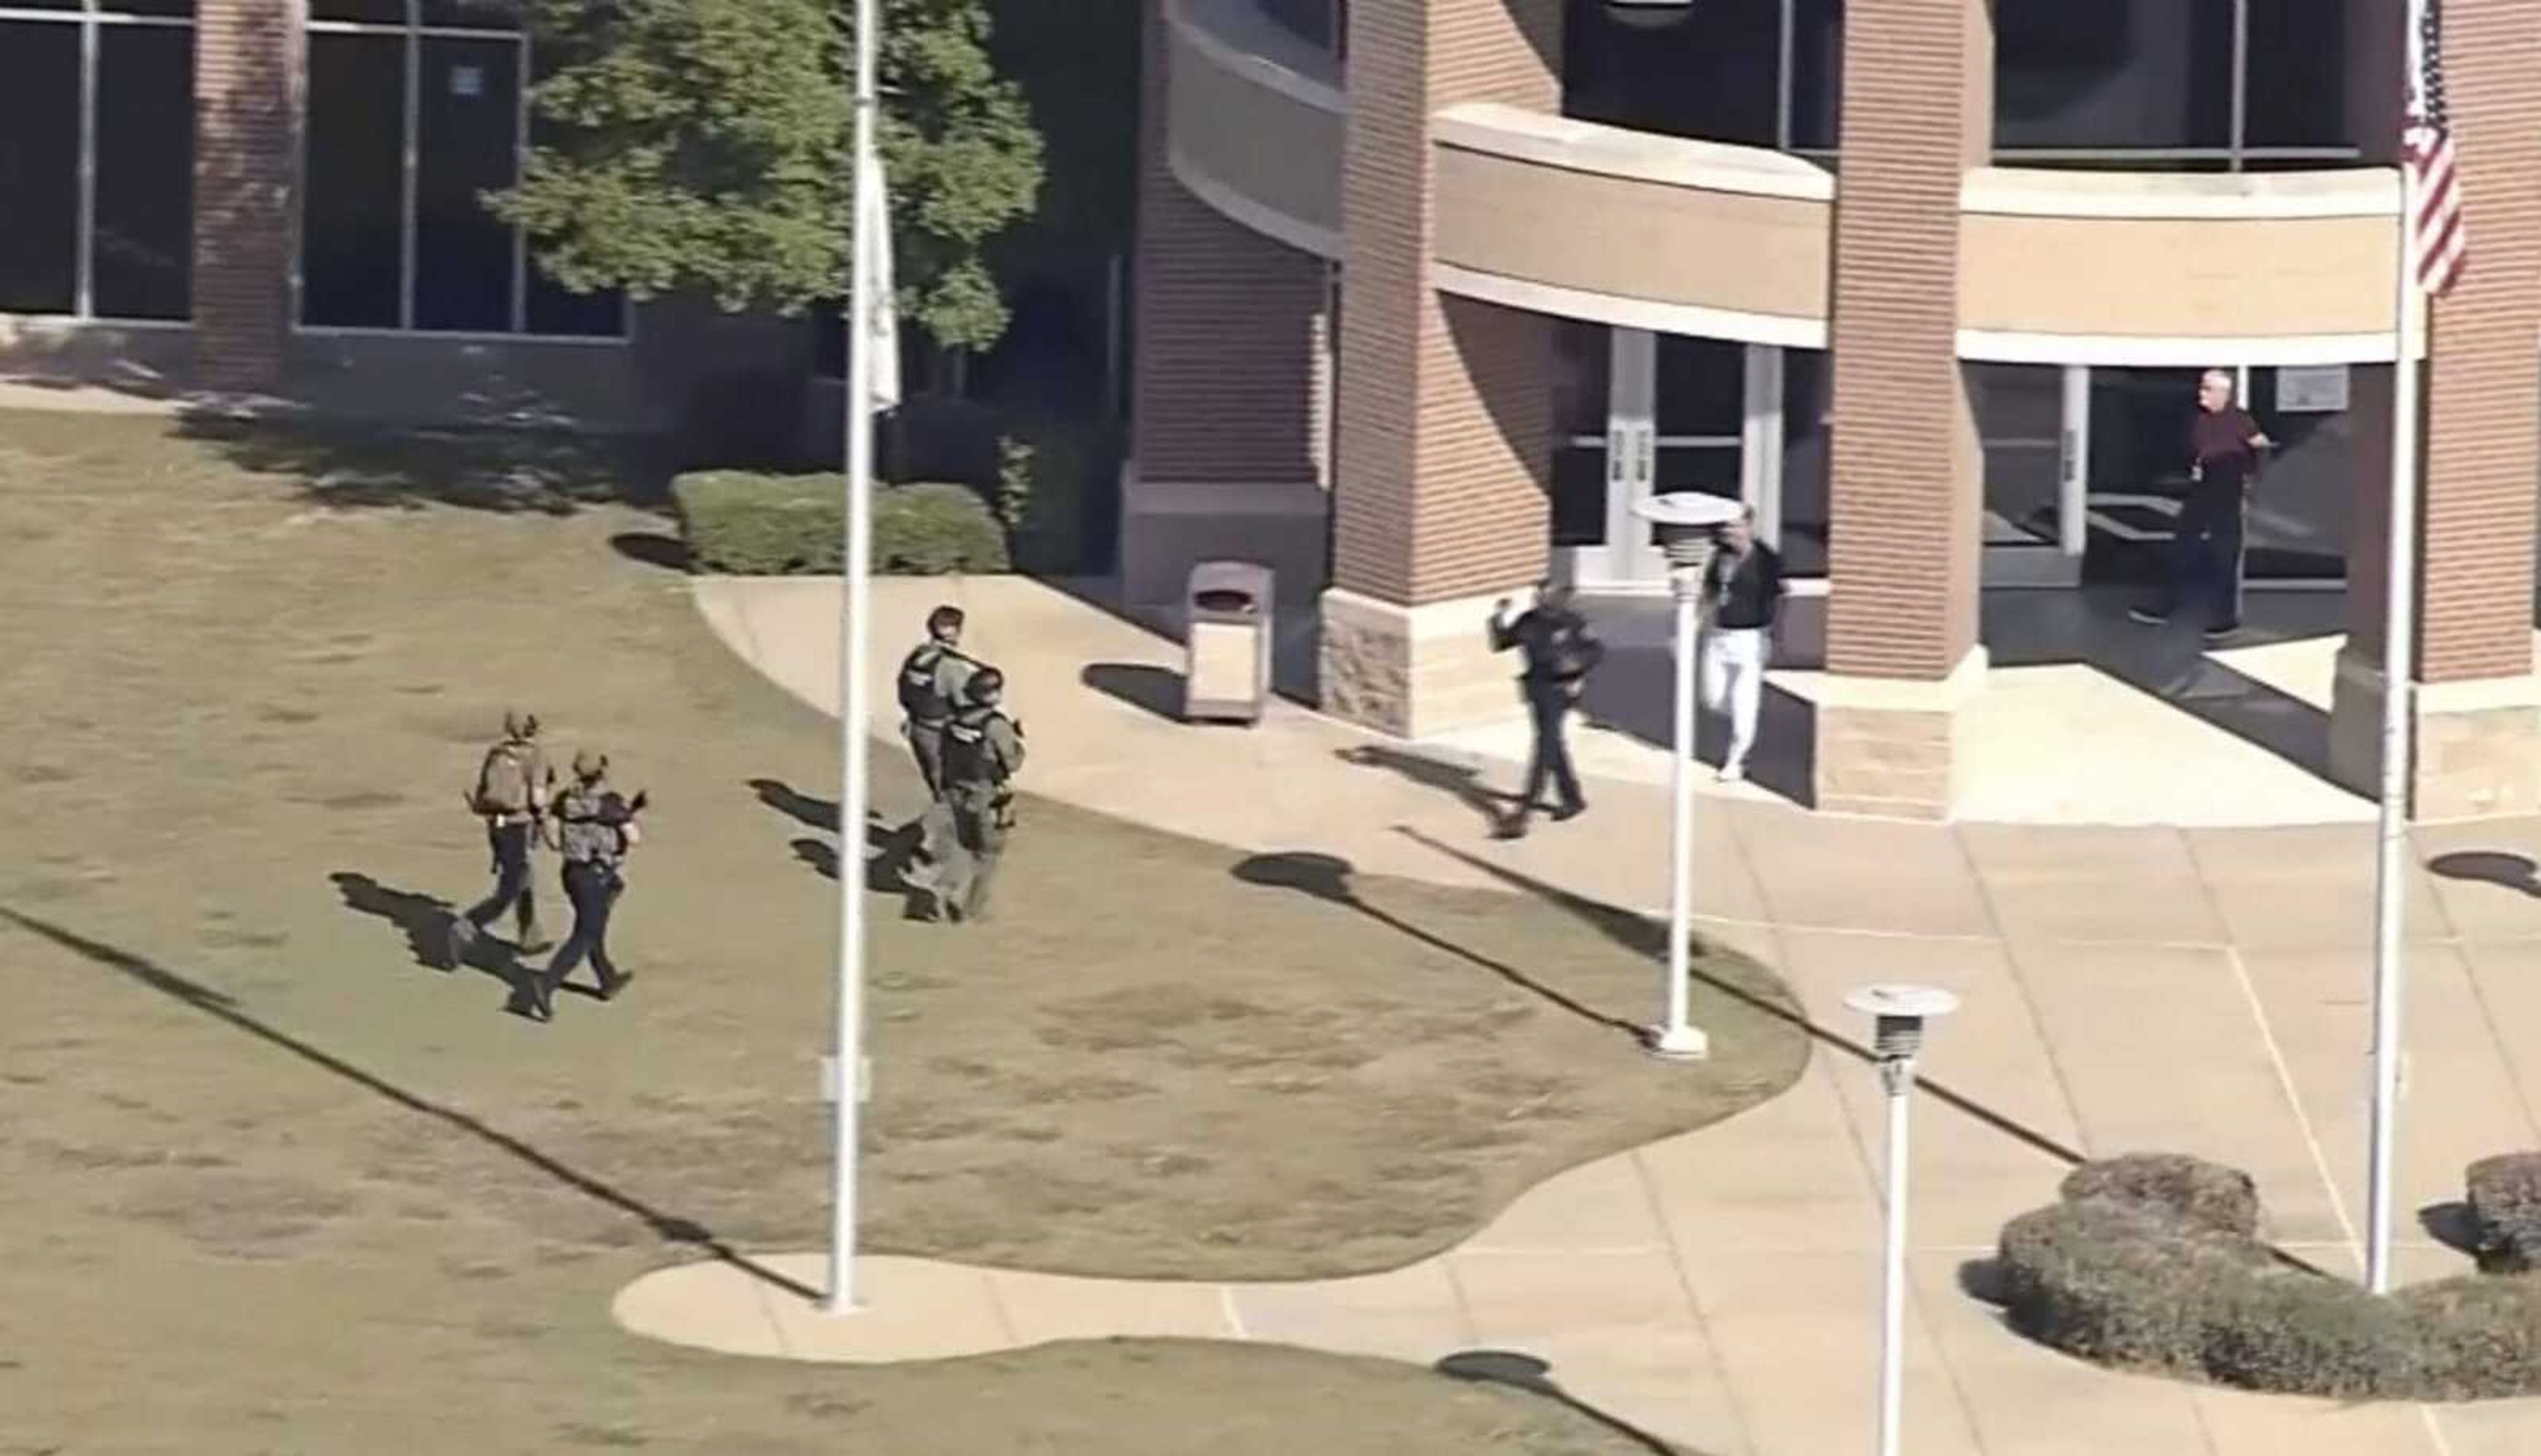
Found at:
<point>1559,656</point>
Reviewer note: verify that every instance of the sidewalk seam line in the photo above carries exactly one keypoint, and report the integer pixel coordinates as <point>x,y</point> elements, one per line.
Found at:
<point>2028,1000</point>
<point>1693,1301</point>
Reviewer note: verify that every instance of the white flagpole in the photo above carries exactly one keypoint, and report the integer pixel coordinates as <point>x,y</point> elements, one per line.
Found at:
<point>856,708</point>
<point>2399,643</point>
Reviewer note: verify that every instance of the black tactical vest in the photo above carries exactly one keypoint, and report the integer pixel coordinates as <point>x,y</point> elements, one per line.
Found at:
<point>966,757</point>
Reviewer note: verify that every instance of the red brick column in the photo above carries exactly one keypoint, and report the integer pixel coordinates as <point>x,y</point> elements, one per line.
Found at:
<point>1444,440</point>
<point>2479,729</point>
<point>1907,479</point>
<point>245,106</point>
<point>1227,379</point>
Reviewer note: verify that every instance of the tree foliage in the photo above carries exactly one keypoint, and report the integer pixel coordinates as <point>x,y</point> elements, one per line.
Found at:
<point>707,143</point>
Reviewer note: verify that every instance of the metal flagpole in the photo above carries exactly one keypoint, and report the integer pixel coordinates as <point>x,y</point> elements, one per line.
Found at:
<point>852,689</point>
<point>2399,643</point>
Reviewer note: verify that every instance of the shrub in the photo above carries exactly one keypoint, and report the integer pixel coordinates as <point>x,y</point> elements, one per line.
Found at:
<point>2151,1263</point>
<point>2505,1210</point>
<point>2207,1195</point>
<point>1053,473</point>
<point>750,524</point>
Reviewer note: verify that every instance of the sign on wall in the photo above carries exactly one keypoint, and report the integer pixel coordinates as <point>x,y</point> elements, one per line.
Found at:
<point>2313,389</point>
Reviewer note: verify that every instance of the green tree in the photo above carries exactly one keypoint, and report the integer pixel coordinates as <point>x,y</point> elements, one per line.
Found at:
<point>706,143</point>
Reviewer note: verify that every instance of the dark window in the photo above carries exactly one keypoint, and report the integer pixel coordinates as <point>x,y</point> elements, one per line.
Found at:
<point>1702,387</point>
<point>353,211</point>
<point>2298,66</point>
<point>1584,358</point>
<point>1579,495</point>
<point>474,14</point>
<point>2113,74</point>
<point>469,120</point>
<point>44,5</point>
<point>1817,73</point>
<point>145,171</point>
<point>377,12</point>
<point>39,109</point>
<point>1709,73</point>
<point>179,9</point>
<point>1310,21</point>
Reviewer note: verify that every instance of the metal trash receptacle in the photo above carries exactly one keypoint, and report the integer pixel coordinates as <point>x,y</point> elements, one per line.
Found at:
<point>1227,619</point>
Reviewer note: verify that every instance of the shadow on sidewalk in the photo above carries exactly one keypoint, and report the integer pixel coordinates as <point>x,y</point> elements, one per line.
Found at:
<point>1157,691</point>
<point>1463,781</point>
<point>668,1227</point>
<point>1325,877</point>
<point>2490,866</point>
<point>1648,937</point>
<point>1521,1371</point>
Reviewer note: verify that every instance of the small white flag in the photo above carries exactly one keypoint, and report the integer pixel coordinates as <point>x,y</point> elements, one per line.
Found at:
<point>874,231</point>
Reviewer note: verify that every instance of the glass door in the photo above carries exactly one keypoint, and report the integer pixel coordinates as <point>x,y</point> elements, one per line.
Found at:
<point>1677,414</point>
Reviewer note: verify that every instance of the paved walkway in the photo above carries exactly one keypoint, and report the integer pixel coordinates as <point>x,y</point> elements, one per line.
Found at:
<point>2203,990</point>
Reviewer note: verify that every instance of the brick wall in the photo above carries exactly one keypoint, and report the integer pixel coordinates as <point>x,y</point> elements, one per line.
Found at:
<point>1906,477</point>
<point>1445,436</point>
<point>245,100</point>
<point>1226,353</point>
<point>2481,441</point>
<point>2484,378</point>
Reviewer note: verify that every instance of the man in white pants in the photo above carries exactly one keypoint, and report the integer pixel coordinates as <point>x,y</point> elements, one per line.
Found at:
<point>1742,594</point>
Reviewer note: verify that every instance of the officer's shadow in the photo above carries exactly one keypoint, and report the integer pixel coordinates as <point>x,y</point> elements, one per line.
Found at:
<point>425,922</point>
<point>894,863</point>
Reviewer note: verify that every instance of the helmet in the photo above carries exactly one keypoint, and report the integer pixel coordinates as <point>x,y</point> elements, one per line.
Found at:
<point>985,685</point>
<point>519,722</point>
<point>590,763</point>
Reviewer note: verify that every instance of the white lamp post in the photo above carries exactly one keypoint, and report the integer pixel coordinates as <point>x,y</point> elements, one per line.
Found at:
<point>1684,521</point>
<point>1901,1012</point>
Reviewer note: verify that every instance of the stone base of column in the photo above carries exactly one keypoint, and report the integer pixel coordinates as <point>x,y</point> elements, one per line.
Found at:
<point>1167,526</point>
<point>1890,746</point>
<point>2478,753</point>
<point>1418,670</point>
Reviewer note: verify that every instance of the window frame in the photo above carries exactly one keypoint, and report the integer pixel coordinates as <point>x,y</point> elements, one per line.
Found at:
<point>412,34</point>
<point>91,16</point>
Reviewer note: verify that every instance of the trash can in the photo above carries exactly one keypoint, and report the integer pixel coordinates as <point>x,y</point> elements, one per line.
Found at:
<point>1227,676</point>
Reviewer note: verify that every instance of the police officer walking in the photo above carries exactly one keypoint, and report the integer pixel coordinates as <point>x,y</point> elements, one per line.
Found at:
<point>594,828</point>
<point>931,680</point>
<point>511,791</point>
<point>983,749</point>
<point>1559,656</point>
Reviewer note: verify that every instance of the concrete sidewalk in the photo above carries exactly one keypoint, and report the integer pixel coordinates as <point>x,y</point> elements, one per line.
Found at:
<point>2201,991</point>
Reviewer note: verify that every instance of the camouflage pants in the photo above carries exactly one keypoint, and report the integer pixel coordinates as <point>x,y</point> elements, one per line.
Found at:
<point>982,821</point>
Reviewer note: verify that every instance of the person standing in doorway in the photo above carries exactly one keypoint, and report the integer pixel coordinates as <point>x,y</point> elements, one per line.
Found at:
<point>1742,590</point>
<point>2224,447</point>
<point>1559,654</point>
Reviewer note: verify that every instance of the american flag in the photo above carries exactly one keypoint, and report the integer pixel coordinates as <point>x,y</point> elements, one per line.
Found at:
<point>2426,149</point>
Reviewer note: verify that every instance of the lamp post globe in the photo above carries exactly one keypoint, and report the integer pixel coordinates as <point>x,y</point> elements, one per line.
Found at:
<point>1685,523</point>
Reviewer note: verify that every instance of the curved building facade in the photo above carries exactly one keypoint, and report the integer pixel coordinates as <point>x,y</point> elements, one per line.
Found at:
<point>1431,291</point>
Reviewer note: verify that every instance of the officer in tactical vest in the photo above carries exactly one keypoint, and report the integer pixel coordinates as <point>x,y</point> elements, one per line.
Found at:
<point>513,784</point>
<point>931,684</point>
<point>983,749</point>
<point>594,827</point>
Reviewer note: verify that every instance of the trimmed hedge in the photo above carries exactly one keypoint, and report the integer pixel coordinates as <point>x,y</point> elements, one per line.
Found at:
<point>2506,1208</point>
<point>744,524</point>
<point>2153,1263</point>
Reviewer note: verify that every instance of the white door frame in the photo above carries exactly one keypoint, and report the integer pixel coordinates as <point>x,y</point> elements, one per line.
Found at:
<point>1628,562</point>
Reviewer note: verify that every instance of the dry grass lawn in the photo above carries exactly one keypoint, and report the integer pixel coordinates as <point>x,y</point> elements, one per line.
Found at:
<point>271,1183</point>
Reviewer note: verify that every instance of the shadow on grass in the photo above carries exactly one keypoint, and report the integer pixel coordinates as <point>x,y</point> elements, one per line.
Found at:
<point>890,851</point>
<point>1325,877</point>
<point>1517,1371</point>
<point>668,1227</point>
<point>350,464</point>
<point>652,548</point>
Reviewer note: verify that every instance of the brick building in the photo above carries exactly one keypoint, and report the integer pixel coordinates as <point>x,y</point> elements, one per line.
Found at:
<point>260,195</point>
<point>1433,291</point>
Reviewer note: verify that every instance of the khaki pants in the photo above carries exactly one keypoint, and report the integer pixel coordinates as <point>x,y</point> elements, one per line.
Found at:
<point>978,841</point>
<point>926,745</point>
